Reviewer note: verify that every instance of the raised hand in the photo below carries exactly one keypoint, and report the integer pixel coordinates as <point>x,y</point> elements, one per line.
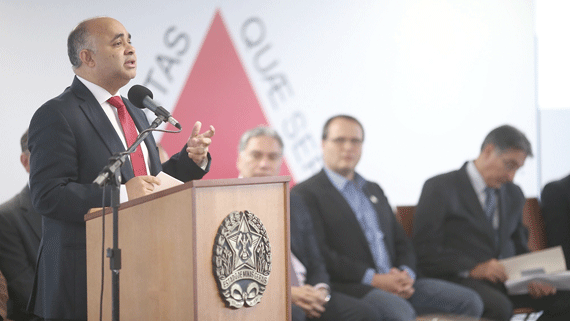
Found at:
<point>198,144</point>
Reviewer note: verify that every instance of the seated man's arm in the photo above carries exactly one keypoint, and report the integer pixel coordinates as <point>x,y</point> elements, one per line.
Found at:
<point>435,258</point>
<point>14,263</point>
<point>341,268</point>
<point>555,206</point>
<point>303,232</point>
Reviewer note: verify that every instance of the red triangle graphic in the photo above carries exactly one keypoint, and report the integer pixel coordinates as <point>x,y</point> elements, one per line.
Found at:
<point>219,93</point>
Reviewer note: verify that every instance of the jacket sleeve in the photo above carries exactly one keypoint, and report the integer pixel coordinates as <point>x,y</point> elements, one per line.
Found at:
<point>341,268</point>
<point>183,168</point>
<point>56,184</point>
<point>434,257</point>
<point>556,212</point>
<point>303,235</point>
<point>14,263</point>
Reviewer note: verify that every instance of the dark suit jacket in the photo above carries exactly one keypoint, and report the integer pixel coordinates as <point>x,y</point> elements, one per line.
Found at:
<point>451,231</point>
<point>304,244</point>
<point>555,204</point>
<point>71,140</point>
<point>341,239</point>
<point>20,234</point>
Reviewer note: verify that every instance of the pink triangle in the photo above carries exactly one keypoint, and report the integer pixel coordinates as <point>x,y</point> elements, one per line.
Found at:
<point>219,93</point>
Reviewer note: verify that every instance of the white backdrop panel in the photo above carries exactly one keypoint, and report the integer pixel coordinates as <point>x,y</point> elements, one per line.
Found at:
<point>428,79</point>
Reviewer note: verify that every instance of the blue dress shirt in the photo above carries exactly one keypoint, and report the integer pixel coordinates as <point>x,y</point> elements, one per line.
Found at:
<point>353,193</point>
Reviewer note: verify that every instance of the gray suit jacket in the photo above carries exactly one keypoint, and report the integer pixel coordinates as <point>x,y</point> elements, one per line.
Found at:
<point>71,140</point>
<point>20,234</point>
<point>342,241</point>
<point>451,231</point>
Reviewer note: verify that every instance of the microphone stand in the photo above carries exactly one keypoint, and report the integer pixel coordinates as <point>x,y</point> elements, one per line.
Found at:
<point>111,175</point>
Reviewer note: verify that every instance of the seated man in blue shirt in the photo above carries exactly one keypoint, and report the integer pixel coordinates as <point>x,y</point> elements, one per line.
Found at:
<point>366,250</point>
<point>261,154</point>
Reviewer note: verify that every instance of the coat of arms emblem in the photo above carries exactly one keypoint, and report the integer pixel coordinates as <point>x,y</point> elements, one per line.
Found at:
<point>241,259</point>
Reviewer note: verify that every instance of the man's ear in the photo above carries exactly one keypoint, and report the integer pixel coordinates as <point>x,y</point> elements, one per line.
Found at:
<point>86,57</point>
<point>488,149</point>
<point>239,162</point>
<point>25,160</point>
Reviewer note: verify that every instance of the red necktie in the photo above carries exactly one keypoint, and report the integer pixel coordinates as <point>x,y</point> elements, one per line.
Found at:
<point>130,130</point>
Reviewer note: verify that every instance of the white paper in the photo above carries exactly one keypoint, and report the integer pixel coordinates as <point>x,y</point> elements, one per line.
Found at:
<point>548,266</point>
<point>560,280</point>
<point>166,182</point>
<point>538,262</point>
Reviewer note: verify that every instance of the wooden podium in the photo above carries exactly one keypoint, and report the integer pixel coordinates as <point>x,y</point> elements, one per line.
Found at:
<point>167,241</point>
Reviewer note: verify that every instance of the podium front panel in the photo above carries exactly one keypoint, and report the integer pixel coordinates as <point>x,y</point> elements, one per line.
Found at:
<point>156,279</point>
<point>167,243</point>
<point>266,201</point>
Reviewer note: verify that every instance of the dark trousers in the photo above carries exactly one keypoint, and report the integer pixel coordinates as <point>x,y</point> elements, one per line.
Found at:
<point>499,305</point>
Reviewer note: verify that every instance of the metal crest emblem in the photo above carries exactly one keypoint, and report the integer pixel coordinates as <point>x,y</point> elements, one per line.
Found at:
<point>241,259</point>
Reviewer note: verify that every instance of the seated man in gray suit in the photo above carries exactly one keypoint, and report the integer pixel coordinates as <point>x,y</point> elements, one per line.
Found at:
<point>260,154</point>
<point>20,234</point>
<point>469,219</point>
<point>366,250</point>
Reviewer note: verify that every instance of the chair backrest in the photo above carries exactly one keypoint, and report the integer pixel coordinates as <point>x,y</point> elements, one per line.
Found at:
<point>532,219</point>
<point>3,296</point>
<point>534,222</point>
<point>405,215</point>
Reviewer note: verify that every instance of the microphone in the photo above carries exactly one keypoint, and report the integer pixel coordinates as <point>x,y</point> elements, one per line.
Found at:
<point>141,97</point>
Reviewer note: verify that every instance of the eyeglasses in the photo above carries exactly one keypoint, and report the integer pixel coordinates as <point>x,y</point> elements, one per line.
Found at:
<point>343,140</point>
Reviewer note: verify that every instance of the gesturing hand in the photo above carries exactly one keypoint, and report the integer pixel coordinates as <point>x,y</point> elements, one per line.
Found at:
<point>198,144</point>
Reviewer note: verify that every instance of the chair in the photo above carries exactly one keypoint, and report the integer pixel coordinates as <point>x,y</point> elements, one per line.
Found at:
<point>405,215</point>
<point>534,222</point>
<point>532,219</point>
<point>3,297</point>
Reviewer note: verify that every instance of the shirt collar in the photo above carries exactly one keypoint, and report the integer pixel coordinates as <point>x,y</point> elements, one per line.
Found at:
<point>100,94</point>
<point>475,177</point>
<point>339,181</point>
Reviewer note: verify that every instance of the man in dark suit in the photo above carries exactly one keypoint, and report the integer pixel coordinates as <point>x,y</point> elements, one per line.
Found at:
<point>71,139</point>
<point>555,205</point>
<point>366,250</point>
<point>20,234</point>
<point>469,219</point>
<point>261,154</point>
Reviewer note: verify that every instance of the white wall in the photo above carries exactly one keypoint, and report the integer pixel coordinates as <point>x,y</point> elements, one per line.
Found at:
<point>553,70</point>
<point>428,79</point>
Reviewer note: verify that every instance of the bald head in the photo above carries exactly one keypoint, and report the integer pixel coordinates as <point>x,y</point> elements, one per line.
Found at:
<point>100,51</point>
<point>78,40</point>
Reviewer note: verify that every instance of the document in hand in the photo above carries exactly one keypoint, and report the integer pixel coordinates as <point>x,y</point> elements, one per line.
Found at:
<point>548,266</point>
<point>166,181</point>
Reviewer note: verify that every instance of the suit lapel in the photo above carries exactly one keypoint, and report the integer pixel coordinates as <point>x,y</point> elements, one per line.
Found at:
<point>106,131</point>
<point>95,114</point>
<point>339,206</point>
<point>470,199</point>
